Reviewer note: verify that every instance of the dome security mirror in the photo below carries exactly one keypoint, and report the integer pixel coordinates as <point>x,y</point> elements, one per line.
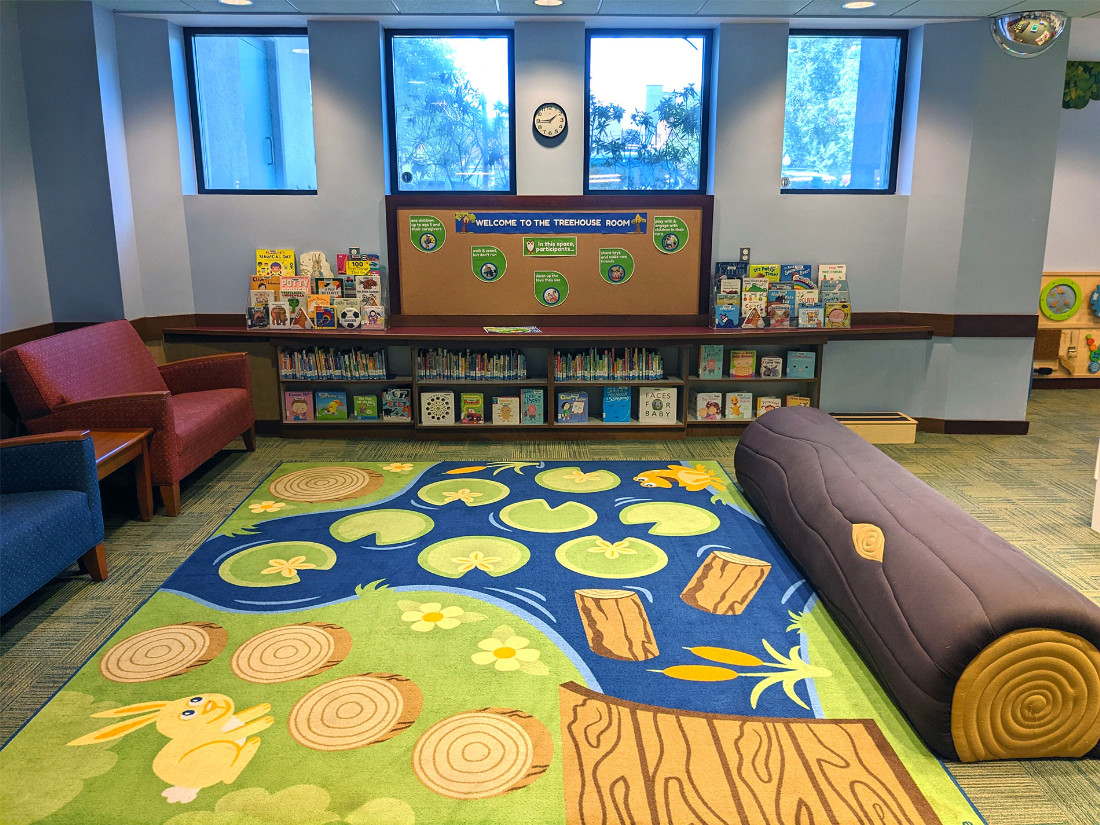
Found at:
<point>1027,33</point>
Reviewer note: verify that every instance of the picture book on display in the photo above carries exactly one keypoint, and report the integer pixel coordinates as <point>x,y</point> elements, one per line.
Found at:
<point>801,364</point>
<point>330,405</point>
<point>797,401</point>
<point>261,297</point>
<point>767,403</point>
<point>329,286</point>
<point>349,312</point>
<point>324,317</point>
<point>257,317</point>
<point>800,276</point>
<point>727,317</point>
<point>738,406</point>
<point>472,408</point>
<point>657,405</point>
<point>710,361</point>
<point>832,272</point>
<point>298,406</point>
<point>265,282</point>
<point>275,262</point>
<point>771,366</point>
<point>616,405</point>
<point>506,409</point>
<point>742,363</point>
<point>707,406</point>
<point>731,269</point>
<point>279,315</point>
<point>532,406</point>
<point>365,407</point>
<point>768,272</point>
<point>396,405</point>
<point>572,407</point>
<point>811,316</point>
<point>373,318</point>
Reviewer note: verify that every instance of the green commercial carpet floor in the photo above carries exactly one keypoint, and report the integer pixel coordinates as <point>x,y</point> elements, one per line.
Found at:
<point>1035,490</point>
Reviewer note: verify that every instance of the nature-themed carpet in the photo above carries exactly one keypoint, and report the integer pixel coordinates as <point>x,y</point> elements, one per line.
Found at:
<point>512,642</point>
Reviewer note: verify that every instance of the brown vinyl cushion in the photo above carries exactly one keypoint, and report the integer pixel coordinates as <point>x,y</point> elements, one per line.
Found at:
<point>943,586</point>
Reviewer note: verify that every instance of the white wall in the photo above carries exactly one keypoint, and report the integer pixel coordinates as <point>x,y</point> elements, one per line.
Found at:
<point>1073,235</point>
<point>24,290</point>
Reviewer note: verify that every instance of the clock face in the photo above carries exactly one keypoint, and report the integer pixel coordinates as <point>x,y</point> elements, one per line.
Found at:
<point>550,120</point>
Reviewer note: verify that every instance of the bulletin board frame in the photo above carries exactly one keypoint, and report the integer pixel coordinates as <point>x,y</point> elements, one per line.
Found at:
<point>665,288</point>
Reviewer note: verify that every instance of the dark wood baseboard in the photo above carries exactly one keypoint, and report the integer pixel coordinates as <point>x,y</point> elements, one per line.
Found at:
<point>1066,383</point>
<point>969,427</point>
<point>945,325</point>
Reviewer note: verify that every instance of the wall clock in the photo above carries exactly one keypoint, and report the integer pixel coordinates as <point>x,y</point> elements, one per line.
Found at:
<point>550,122</point>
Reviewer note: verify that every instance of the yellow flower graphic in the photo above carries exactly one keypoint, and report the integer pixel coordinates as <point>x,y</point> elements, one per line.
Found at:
<point>462,495</point>
<point>505,654</point>
<point>431,615</point>
<point>612,551</point>
<point>289,567</point>
<point>398,467</point>
<point>266,506</point>
<point>582,477</point>
<point>476,559</point>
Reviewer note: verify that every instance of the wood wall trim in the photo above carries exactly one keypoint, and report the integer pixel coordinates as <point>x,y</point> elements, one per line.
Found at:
<point>956,426</point>
<point>946,325</point>
<point>1057,382</point>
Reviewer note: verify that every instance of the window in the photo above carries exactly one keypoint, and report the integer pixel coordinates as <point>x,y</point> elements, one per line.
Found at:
<point>450,111</point>
<point>842,118</point>
<point>252,111</point>
<point>647,112</point>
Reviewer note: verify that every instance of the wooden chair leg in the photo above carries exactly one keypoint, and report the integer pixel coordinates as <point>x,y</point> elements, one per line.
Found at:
<point>170,493</point>
<point>249,436</point>
<point>94,562</point>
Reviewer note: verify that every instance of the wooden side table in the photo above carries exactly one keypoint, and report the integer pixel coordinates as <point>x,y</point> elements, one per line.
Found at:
<point>117,448</point>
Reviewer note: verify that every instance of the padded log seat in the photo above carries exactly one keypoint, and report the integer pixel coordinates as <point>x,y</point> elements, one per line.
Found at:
<point>990,655</point>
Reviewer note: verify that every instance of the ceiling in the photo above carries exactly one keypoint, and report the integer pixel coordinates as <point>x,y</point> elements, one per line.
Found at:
<point>604,9</point>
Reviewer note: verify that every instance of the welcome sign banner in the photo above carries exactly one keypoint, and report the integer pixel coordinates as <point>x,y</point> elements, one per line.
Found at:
<point>593,223</point>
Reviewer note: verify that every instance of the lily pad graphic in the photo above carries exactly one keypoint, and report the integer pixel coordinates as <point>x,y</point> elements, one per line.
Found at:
<point>625,559</point>
<point>473,492</point>
<point>536,516</point>
<point>275,564</point>
<point>456,557</point>
<point>575,480</point>
<point>387,526</point>
<point>671,518</point>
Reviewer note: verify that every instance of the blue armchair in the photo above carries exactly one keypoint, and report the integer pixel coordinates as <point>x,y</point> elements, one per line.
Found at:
<point>50,513</point>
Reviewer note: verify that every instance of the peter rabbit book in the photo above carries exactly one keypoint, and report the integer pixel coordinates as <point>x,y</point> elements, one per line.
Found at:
<point>531,406</point>
<point>365,407</point>
<point>710,361</point>
<point>616,405</point>
<point>275,262</point>
<point>330,405</point>
<point>298,406</point>
<point>572,407</point>
<point>738,406</point>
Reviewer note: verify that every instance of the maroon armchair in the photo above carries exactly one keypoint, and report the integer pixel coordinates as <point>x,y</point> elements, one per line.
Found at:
<point>103,377</point>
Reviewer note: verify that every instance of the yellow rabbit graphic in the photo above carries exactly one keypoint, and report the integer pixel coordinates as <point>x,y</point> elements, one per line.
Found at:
<point>201,752</point>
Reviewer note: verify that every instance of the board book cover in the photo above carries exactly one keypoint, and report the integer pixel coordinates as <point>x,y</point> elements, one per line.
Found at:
<point>771,366</point>
<point>279,315</point>
<point>801,364</point>
<point>374,318</point>
<point>261,297</point>
<point>738,406</point>
<point>365,407</point>
<point>572,407</point>
<point>742,363</point>
<point>727,317</point>
<point>710,361</point>
<point>766,271</point>
<point>532,403</point>
<point>297,406</point>
<point>396,405</point>
<point>800,276</point>
<point>657,405</point>
<point>324,317</point>
<point>256,317</point>
<point>329,286</point>
<point>472,408</point>
<point>797,401</point>
<point>832,272</point>
<point>811,316</point>
<point>731,269</point>
<point>767,403</point>
<point>616,405</point>
<point>838,314</point>
<point>707,406</point>
<point>275,262</point>
<point>349,312</point>
<point>330,405</point>
<point>506,409</point>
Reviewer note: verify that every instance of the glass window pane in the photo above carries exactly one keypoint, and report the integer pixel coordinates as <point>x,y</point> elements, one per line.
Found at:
<point>838,129</point>
<point>645,113</point>
<point>452,113</point>
<point>254,109</point>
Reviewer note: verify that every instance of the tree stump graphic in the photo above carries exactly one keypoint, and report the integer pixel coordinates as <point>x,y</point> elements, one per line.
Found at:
<point>163,652</point>
<point>482,753</point>
<point>320,484</point>
<point>725,583</point>
<point>295,651</point>
<point>355,711</point>
<point>616,624</point>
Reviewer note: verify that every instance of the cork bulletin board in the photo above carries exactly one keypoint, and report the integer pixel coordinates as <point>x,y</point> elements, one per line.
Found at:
<point>549,257</point>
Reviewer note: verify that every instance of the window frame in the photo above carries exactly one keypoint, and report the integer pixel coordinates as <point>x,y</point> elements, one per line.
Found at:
<point>193,105</point>
<point>707,36</point>
<point>391,109</point>
<point>902,36</point>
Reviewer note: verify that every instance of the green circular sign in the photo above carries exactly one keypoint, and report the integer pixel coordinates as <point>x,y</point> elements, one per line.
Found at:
<point>551,288</point>
<point>487,263</point>
<point>427,232</point>
<point>616,265</point>
<point>1060,299</point>
<point>670,234</point>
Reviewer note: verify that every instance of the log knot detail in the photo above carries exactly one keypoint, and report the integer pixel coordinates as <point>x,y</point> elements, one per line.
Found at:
<point>869,541</point>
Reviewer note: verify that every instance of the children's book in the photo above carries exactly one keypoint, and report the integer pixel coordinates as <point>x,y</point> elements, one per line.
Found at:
<point>832,272</point>
<point>731,269</point>
<point>297,406</point>
<point>472,408</point>
<point>279,315</point>
<point>767,403</point>
<point>801,364</point>
<point>506,409</point>
<point>324,317</point>
<point>374,318</point>
<point>265,282</point>
<point>261,297</point>
<point>396,405</point>
<point>512,330</point>
<point>797,401</point>
<point>361,266</point>
<point>771,366</point>
<point>331,405</point>
<point>742,363</point>
<point>256,318</point>
<point>779,314</point>
<point>329,286</point>
<point>275,262</point>
<point>349,312</point>
<point>707,406</point>
<point>838,314</point>
<point>729,286</point>
<point>811,316</point>
<point>365,407</point>
<point>437,407</point>
<point>657,405</point>
<point>800,276</point>
<point>727,317</point>
<point>755,318</point>
<point>572,407</point>
<point>738,406</point>
<point>616,405</point>
<point>767,271</point>
<point>531,406</point>
<point>710,361</point>
<point>300,319</point>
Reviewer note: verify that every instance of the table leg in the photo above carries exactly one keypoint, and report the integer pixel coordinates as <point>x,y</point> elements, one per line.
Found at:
<point>144,483</point>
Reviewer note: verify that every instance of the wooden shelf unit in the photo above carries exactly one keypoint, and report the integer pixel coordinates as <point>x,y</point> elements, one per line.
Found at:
<point>679,346</point>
